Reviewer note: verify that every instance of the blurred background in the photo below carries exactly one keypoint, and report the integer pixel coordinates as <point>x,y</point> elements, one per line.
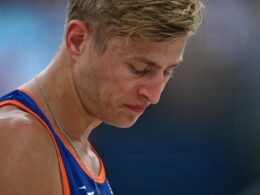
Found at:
<point>203,138</point>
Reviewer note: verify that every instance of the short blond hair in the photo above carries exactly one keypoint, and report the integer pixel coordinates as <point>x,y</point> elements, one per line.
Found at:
<point>152,20</point>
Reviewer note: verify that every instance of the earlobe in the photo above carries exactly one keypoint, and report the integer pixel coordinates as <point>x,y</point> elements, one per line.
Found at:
<point>75,36</point>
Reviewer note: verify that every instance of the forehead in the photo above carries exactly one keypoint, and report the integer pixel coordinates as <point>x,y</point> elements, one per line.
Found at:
<point>162,53</point>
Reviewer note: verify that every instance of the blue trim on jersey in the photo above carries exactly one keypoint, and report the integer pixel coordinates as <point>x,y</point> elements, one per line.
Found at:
<point>79,182</point>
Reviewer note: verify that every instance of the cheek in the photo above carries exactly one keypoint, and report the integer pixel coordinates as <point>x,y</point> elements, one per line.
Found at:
<point>117,84</point>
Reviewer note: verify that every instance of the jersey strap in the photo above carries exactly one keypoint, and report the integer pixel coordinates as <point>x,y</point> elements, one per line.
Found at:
<point>76,179</point>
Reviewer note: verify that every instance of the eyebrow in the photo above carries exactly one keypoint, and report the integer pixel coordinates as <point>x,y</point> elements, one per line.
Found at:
<point>154,64</point>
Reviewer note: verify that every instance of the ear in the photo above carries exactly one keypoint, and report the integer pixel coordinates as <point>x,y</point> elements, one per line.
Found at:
<point>75,35</point>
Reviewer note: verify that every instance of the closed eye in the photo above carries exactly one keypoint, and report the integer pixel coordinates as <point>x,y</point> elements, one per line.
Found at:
<point>139,71</point>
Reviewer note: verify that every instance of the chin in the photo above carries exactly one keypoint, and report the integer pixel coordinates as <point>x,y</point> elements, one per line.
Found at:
<point>122,124</point>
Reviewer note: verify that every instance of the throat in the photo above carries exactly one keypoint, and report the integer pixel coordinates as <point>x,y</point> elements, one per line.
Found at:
<point>91,162</point>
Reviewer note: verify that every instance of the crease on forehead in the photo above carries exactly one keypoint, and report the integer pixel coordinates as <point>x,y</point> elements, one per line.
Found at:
<point>142,49</point>
<point>169,56</point>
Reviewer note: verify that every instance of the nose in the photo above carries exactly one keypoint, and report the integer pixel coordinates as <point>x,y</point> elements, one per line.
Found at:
<point>152,89</point>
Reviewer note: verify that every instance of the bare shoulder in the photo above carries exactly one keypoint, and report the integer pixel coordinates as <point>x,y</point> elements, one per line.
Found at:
<point>28,162</point>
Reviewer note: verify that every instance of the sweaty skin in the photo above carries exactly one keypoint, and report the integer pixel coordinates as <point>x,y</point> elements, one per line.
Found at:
<point>84,88</point>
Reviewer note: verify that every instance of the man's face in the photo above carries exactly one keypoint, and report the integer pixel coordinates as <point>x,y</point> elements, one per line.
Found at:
<point>117,86</point>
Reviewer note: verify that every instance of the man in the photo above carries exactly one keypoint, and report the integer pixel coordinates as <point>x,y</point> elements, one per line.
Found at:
<point>114,62</point>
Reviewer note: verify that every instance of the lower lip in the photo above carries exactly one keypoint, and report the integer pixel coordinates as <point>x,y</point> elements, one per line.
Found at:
<point>136,109</point>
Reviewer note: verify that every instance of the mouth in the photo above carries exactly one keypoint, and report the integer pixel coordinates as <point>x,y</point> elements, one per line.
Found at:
<point>137,108</point>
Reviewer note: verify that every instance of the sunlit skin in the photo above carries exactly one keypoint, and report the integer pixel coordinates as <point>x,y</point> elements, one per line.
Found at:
<point>117,86</point>
<point>84,88</point>
<point>114,87</point>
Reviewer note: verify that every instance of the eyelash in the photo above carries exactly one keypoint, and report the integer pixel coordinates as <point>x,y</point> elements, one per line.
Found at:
<point>169,74</point>
<point>139,72</point>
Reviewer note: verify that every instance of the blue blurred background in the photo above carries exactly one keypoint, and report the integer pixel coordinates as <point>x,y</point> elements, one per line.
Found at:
<point>203,138</point>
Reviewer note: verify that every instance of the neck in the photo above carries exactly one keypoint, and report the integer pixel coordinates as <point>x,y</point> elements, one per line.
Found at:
<point>63,99</point>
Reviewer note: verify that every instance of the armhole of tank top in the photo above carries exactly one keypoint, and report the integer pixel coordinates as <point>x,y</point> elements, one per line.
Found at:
<point>102,175</point>
<point>65,184</point>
